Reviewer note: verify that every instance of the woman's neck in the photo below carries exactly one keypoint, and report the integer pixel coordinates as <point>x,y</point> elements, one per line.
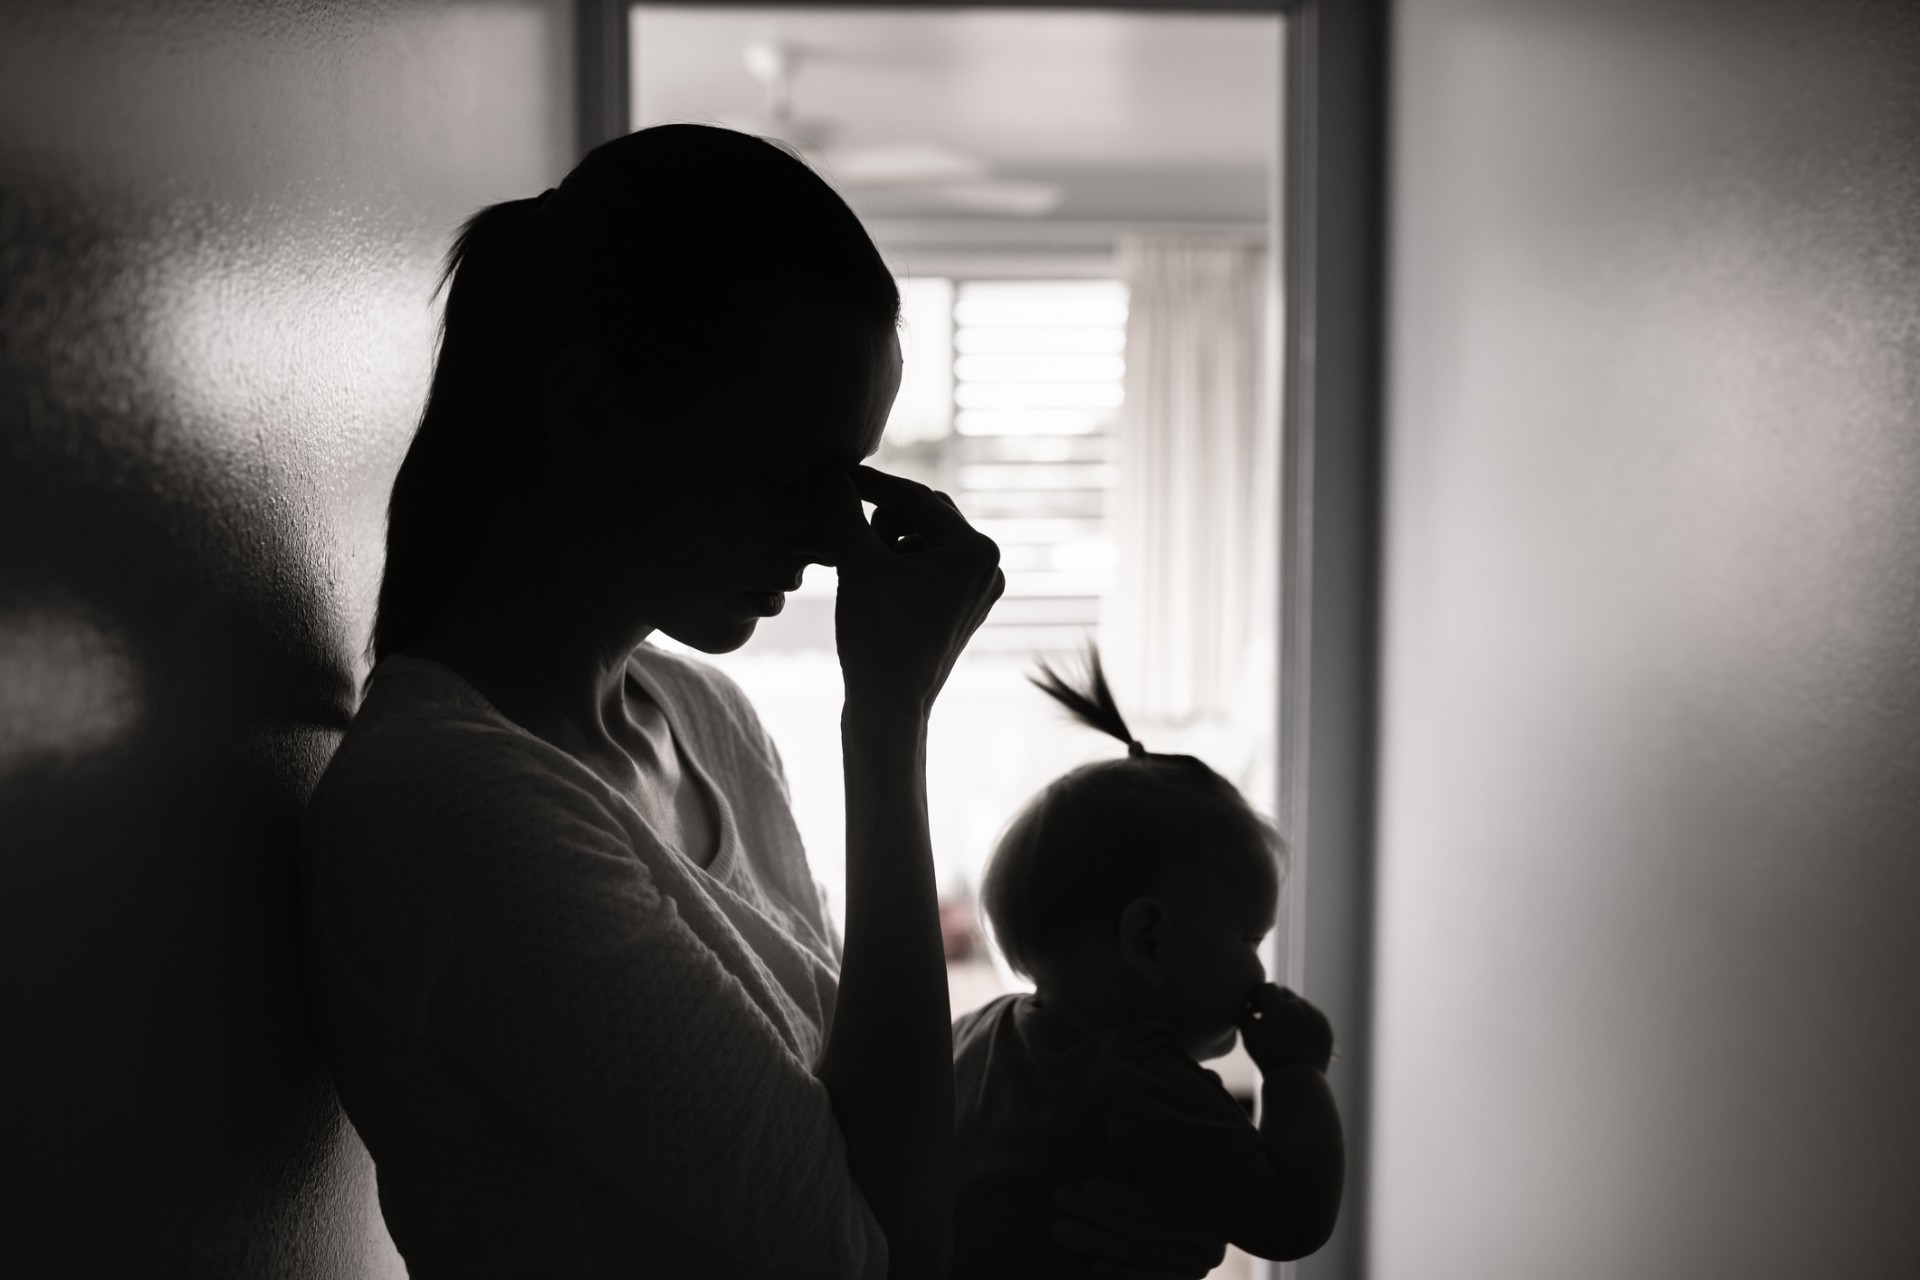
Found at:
<point>529,634</point>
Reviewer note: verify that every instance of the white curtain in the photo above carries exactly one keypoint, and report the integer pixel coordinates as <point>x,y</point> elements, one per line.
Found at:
<point>1188,632</point>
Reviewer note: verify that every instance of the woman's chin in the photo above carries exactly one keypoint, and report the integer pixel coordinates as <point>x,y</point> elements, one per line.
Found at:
<point>722,623</point>
<point>714,635</point>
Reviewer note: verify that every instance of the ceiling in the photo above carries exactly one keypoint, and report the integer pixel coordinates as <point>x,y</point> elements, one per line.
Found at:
<point>1142,117</point>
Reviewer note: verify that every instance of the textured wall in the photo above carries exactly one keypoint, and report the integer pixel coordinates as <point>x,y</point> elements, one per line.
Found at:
<point>1650,973</point>
<point>218,229</point>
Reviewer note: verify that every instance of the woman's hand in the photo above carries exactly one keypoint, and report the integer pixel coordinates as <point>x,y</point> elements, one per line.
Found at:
<point>1125,1230</point>
<point>914,585</point>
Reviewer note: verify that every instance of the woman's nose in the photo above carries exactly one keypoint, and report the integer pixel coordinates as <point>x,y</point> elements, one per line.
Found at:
<point>806,527</point>
<point>810,545</point>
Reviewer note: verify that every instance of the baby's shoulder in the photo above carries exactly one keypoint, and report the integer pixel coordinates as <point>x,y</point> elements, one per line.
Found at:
<point>977,1024</point>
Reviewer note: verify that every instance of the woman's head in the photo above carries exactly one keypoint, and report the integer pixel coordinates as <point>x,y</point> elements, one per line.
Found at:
<point>652,359</point>
<point>1153,855</point>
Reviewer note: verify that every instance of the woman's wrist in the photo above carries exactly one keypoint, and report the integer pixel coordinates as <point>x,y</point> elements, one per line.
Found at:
<point>876,708</point>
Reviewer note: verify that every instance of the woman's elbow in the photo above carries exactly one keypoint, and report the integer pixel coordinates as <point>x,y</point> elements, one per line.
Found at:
<point>1301,1243</point>
<point>1293,1236</point>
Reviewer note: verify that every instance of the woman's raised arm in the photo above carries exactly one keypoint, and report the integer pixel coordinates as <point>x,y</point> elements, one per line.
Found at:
<point>913,587</point>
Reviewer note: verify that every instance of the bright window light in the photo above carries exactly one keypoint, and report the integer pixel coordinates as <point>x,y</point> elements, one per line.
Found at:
<point>985,341</point>
<point>1040,422</point>
<point>1049,366</point>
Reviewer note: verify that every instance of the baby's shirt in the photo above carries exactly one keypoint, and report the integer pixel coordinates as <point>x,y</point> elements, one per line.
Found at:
<point>1042,1103</point>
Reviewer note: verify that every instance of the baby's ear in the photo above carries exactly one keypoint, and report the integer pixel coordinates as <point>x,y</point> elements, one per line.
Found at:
<point>1140,927</point>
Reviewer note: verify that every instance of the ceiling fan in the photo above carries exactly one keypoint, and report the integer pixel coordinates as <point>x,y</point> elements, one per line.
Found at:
<point>927,172</point>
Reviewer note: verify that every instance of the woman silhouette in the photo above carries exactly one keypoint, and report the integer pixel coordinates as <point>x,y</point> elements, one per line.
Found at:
<point>573,975</point>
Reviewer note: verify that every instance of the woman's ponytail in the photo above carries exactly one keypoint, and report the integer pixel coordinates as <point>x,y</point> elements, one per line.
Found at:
<point>477,432</point>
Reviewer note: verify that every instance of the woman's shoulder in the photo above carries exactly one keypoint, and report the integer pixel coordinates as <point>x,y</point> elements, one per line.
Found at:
<point>426,743</point>
<point>432,791</point>
<point>413,704</point>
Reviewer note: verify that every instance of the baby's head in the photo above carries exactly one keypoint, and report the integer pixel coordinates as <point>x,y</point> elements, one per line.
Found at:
<point>1137,889</point>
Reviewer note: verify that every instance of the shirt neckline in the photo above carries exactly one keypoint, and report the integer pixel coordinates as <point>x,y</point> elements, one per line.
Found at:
<point>726,838</point>
<point>727,842</point>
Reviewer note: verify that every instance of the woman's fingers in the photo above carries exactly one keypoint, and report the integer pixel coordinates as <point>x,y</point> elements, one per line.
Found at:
<point>1107,1269</point>
<point>1118,1258</point>
<point>916,505</point>
<point>914,584</point>
<point>907,515</point>
<point>1138,1257</point>
<point>1123,1227</point>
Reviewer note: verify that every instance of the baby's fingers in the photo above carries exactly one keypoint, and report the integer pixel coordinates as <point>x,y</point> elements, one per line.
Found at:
<point>1267,1000</point>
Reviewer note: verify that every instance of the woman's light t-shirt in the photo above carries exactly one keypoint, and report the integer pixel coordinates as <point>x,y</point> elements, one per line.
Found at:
<point>571,1051</point>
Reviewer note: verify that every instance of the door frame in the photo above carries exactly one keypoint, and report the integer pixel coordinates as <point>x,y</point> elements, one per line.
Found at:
<point>1329,221</point>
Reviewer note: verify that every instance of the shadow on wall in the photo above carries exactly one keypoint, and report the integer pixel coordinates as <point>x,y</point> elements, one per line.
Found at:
<point>170,680</point>
<point>218,233</point>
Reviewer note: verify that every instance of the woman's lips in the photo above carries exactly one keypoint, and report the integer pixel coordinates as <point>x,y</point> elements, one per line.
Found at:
<point>766,603</point>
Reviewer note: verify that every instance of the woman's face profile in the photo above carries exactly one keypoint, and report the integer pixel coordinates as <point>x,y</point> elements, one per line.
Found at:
<point>703,525</point>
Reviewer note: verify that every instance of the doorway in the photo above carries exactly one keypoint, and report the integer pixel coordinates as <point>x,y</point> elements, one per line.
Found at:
<point>1080,207</point>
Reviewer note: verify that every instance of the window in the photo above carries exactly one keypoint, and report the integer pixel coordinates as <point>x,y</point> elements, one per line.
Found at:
<point>1058,193</point>
<point>1009,401</point>
<point>1011,406</point>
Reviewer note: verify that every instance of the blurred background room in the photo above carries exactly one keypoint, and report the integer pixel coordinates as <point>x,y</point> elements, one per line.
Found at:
<point>1076,205</point>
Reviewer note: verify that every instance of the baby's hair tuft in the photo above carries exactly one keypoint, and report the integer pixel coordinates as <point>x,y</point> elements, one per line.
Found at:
<point>1090,701</point>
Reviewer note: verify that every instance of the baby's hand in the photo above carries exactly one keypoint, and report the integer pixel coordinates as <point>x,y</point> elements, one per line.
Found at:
<point>1282,1030</point>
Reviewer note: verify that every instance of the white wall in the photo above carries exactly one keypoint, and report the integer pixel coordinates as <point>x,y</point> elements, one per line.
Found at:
<point>1650,827</point>
<point>220,225</point>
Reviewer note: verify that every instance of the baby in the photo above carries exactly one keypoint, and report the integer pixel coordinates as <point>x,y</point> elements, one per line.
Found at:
<point>1135,893</point>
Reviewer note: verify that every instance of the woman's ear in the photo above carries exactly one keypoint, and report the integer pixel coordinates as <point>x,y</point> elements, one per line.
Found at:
<point>579,400</point>
<point>1141,927</point>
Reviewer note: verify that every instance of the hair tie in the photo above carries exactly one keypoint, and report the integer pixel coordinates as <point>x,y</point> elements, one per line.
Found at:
<point>535,214</point>
<point>1134,748</point>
